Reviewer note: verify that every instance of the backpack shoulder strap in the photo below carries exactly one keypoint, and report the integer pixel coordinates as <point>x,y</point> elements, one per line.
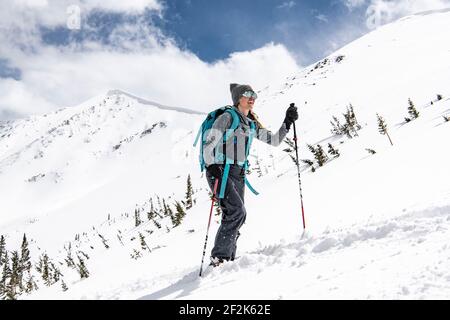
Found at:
<point>235,120</point>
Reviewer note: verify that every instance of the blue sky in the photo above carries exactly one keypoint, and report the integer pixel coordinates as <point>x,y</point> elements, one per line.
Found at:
<point>214,29</point>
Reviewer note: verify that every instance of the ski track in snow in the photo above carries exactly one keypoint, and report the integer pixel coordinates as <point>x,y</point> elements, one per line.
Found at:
<point>412,234</point>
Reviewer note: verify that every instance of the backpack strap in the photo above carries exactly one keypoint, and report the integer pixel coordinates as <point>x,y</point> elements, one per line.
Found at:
<point>247,152</point>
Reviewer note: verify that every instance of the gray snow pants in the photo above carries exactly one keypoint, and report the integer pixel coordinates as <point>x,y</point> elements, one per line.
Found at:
<point>233,213</point>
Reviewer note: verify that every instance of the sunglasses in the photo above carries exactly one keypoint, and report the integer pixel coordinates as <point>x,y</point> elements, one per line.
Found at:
<point>250,94</point>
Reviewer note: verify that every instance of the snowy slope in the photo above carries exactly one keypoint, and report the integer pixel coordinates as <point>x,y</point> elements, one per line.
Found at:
<point>377,225</point>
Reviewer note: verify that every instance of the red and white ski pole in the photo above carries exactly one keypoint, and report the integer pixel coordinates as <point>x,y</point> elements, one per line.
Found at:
<point>209,223</point>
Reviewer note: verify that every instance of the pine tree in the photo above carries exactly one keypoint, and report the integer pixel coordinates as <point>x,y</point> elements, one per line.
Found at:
<point>151,213</point>
<point>25,260</point>
<point>439,97</point>
<point>64,286</point>
<point>30,284</point>
<point>446,118</point>
<point>69,260</point>
<point>104,241</point>
<point>2,249</point>
<point>309,163</point>
<point>412,111</point>
<point>6,274</point>
<point>179,215</point>
<point>332,151</point>
<point>120,238</point>
<point>82,269</point>
<point>382,128</point>
<point>136,254</point>
<point>157,224</point>
<point>320,155</point>
<point>44,269</point>
<point>290,151</point>
<point>337,128</point>
<point>159,205</point>
<point>189,193</point>
<point>144,244</point>
<point>13,285</point>
<point>170,213</point>
<point>55,273</point>
<point>351,123</point>
<point>137,217</point>
<point>312,149</point>
<point>371,151</point>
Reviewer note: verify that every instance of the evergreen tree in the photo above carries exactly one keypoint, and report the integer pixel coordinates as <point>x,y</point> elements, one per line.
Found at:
<point>337,128</point>
<point>82,269</point>
<point>69,260</point>
<point>439,97</point>
<point>151,213</point>
<point>332,151</point>
<point>104,241</point>
<point>371,151</point>
<point>309,163</point>
<point>120,239</point>
<point>382,128</point>
<point>159,204</point>
<point>136,254</point>
<point>351,123</point>
<point>290,151</point>
<point>2,249</point>
<point>44,269</point>
<point>144,244</point>
<point>312,149</point>
<point>179,215</point>
<point>189,193</point>
<point>412,111</point>
<point>170,213</point>
<point>25,260</point>
<point>137,217</point>
<point>446,118</point>
<point>6,274</point>
<point>64,286</point>
<point>13,285</point>
<point>157,224</point>
<point>320,155</point>
<point>30,284</point>
<point>56,273</point>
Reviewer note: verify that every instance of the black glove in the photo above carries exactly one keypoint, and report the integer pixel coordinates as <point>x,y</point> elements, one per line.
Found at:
<point>291,116</point>
<point>215,170</point>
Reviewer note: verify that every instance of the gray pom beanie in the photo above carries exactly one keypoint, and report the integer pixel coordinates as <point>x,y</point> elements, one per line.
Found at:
<point>237,90</point>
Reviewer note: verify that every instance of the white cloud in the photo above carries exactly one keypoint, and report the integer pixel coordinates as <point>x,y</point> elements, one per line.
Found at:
<point>383,11</point>
<point>131,6</point>
<point>322,17</point>
<point>138,58</point>
<point>286,5</point>
<point>351,4</point>
<point>165,74</point>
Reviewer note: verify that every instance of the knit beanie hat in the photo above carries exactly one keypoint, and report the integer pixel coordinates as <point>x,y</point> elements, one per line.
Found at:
<point>237,90</point>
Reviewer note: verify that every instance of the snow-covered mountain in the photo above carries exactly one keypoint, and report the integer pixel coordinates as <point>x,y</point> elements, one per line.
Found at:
<point>76,180</point>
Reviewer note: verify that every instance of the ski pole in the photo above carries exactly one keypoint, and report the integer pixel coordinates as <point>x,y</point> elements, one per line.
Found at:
<point>298,170</point>
<point>209,223</point>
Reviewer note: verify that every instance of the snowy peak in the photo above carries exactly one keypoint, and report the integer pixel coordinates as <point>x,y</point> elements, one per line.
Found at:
<point>116,92</point>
